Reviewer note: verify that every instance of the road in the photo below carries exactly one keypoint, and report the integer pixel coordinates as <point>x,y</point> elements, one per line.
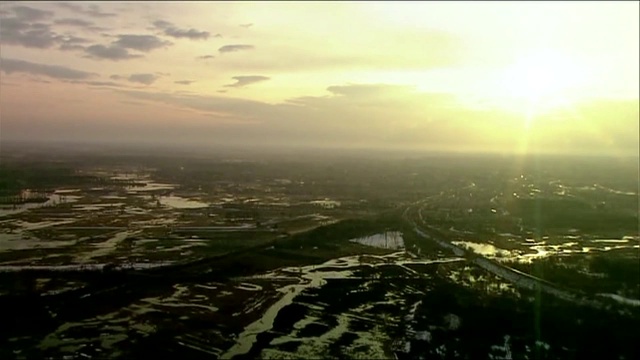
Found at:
<point>413,215</point>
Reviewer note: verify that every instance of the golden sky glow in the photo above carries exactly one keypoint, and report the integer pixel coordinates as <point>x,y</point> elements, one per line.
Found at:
<point>415,75</point>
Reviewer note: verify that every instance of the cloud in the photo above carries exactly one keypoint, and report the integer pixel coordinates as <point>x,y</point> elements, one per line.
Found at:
<point>74,22</point>
<point>103,83</point>
<point>369,90</point>
<point>390,116</point>
<point>140,42</point>
<point>30,14</point>
<point>162,24</point>
<point>234,48</point>
<point>118,50</point>
<point>99,83</point>
<point>189,34</point>
<point>52,71</point>
<point>403,50</point>
<point>239,108</point>
<point>111,52</point>
<point>13,24</point>
<point>92,10</point>
<point>146,79</point>
<point>170,30</point>
<point>79,23</point>
<point>71,47</point>
<point>72,43</point>
<point>246,26</point>
<point>184,82</point>
<point>205,57</point>
<point>16,31</point>
<point>247,80</point>
<point>334,119</point>
<point>142,78</point>
<point>70,6</point>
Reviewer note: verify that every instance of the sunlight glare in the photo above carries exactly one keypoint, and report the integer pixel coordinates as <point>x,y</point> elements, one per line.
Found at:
<point>545,78</point>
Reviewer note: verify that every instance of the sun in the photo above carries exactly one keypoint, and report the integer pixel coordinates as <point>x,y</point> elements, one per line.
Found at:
<point>541,80</point>
<point>542,73</point>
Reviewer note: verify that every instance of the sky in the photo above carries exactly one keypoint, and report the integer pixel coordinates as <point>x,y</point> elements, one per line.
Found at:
<point>508,77</point>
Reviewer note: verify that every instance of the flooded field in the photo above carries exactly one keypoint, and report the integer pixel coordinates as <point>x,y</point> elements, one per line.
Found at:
<point>53,200</point>
<point>181,203</point>
<point>363,306</point>
<point>388,240</point>
<point>239,260</point>
<point>136,219</point>
<point>528,251</point>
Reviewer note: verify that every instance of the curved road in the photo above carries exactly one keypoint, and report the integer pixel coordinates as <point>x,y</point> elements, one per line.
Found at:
<point>413,215</point>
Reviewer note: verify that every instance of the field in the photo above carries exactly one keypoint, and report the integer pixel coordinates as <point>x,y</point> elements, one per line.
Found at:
<point>111,256</point>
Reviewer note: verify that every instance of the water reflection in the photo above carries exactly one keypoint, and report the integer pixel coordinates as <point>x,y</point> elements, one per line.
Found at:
<point>388,240</point>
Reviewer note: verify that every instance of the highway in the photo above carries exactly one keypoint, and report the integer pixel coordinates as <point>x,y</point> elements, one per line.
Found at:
<point>413,215</point>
